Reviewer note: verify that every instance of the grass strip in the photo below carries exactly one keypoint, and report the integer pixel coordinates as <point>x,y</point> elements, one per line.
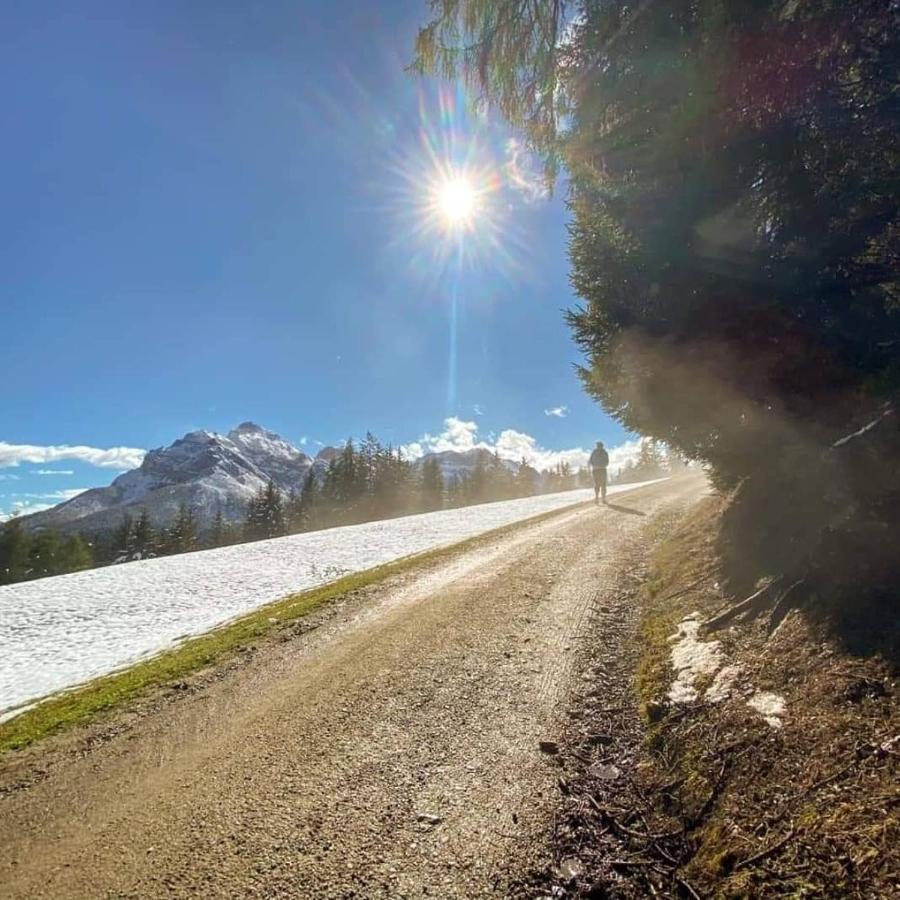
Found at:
<point>110,692</point>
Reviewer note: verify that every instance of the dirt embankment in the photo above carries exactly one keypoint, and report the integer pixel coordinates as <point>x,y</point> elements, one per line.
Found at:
<point>758,765</point>
<point>404,747</point>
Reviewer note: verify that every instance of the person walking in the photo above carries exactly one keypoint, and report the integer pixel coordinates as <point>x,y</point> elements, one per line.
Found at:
<point>598,462</point>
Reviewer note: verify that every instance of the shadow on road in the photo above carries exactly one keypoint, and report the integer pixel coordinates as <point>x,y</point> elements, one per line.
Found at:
<point>625,509</point>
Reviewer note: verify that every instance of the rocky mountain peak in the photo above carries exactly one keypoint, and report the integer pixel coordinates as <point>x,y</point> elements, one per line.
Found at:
<point>205,471</point>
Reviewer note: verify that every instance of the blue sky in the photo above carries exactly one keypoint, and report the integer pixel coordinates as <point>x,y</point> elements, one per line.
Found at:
<point>219,212</point>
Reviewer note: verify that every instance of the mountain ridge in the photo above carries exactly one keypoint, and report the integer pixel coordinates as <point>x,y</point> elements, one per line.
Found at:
<point>210,473</point>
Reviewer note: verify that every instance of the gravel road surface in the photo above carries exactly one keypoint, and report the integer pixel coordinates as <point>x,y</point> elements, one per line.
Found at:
<point>390,747</point>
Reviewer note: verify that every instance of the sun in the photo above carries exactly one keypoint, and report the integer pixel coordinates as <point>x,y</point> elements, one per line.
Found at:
<point>456,201</point>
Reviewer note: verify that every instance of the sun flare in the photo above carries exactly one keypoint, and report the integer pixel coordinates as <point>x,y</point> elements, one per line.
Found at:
<point>457,201</point>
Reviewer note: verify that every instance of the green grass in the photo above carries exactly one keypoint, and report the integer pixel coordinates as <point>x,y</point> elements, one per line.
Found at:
<point>112,692</point>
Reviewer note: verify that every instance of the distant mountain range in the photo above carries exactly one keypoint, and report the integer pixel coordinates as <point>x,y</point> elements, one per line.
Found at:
<point>208,472</point>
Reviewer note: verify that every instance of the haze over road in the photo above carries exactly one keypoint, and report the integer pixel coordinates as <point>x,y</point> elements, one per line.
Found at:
<point>392,751</point>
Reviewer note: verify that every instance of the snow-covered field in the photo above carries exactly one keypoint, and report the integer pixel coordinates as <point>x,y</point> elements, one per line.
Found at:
<point>59,632</point>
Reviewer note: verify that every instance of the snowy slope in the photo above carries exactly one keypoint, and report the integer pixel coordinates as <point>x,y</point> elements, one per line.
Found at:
<point>59,632</point>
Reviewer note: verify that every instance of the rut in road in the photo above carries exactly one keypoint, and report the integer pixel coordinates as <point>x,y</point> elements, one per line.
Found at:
<point>392,753</point>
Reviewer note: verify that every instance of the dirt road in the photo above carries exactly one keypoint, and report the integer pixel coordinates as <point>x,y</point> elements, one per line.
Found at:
<point>392,751</point>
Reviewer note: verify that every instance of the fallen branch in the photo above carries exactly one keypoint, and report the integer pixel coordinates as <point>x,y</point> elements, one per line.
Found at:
<point>763,854</point>
<point>698,819</point>
<point>786,602</point>
<point>754,603</point>
<point>686,885</point>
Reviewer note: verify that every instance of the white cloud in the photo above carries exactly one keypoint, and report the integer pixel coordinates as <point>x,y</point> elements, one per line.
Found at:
<point>50,472</point>
<point>59,496</point>
<point>113,458</point>
<point>304,441</point>
<point>515,445</point>
<point>522,173</point>
<point>8,477</point>
<point>627,452</point>
<point>559,411</point>
<point>20,508</point>
<point>478,410</point>
<point>31,503</point>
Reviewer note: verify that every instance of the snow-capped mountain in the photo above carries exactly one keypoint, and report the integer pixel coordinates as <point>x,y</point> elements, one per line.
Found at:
<point>209,472</point>
<point>458,463</point>
<point>204,470</point>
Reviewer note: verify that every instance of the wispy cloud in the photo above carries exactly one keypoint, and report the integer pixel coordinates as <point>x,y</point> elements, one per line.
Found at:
<point>559,411</point>
<point>20,508</point>
<point>28,503</point>
<point>461,435</point>
<point>113,458</point>
<point>50,472</point>
<point>8,476</point>
<point>523,174</point>
<point>478,410</point>
<point>59,496</point>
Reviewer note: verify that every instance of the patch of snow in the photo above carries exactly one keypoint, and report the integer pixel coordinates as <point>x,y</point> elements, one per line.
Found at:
<point>723,684</point>
<point>691,658</point>
<point>770,706</point>
<point>58,632</point>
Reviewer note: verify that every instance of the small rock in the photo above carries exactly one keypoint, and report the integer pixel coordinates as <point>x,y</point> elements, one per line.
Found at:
<point>606,772</point>
<point>601,740</point>
<point>570,868</point>
<point>548,747</point>
<point>429,819</point>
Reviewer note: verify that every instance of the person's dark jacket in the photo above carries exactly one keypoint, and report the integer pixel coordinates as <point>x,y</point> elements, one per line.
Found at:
<point>599,459</point>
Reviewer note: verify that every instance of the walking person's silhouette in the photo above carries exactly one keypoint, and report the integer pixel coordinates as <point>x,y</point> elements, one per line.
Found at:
<point>598,462</point>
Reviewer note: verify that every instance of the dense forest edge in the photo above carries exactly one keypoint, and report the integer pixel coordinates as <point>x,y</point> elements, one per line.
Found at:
<point>731,175</point>
<point>365,481</point>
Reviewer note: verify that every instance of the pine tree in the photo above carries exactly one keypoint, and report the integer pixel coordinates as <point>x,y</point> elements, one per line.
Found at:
<point>254,522</point>
<point>216,537</point>
<point>458,490</point>
<point>307,511</point>
<point>75,555</point>
<point>265,515</point>
<point>432,485</point>
<point>122,544</point>
<point>15,546</point>
<point>143,538</point>
<point>651,462</point>
<point>476,485</point>
<point>273,511</point>
<point>181,536</point>
<point>44,555</point>
<point>527,479</point>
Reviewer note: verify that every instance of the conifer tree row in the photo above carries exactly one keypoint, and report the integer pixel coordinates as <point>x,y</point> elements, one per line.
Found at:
<point>365,481</point>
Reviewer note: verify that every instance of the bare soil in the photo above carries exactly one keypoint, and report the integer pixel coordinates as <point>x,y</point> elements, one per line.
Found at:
<point>401,743</point>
